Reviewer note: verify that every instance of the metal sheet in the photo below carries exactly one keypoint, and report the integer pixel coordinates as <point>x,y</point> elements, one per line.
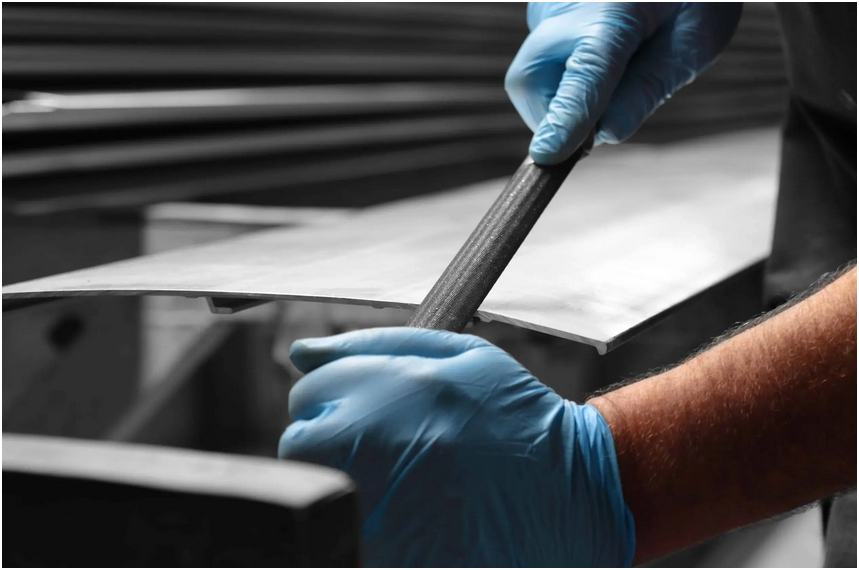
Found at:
<point>177,470</point>
<point>278,142</point>
<point>49,196</point>
<point>634,231</point>
<point>64,61</point>
<point>115,505</point>
<point>51,111</point>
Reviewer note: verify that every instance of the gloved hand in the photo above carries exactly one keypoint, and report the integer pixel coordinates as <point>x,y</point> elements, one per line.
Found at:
<point>461,457</point>
<point>610,65</point>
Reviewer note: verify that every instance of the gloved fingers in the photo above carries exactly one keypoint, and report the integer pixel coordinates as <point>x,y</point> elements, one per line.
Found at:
<point>533,76</point>
<point>531,93</point>
<point>539,11</point>
<point>309,354</point>
<point>376,379</point>
<point>651,77</point>
<point>326,408</point>
<point>536,13</point>
<point>592,73</point>
<point>348,440</point>
<point>646,84</point>
<point>333,404</point>
<point>321,391</point>
<point>322,441</point>
<point>287,447</point>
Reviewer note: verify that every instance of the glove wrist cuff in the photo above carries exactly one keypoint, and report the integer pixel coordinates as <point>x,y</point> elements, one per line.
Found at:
<point>595,478</point>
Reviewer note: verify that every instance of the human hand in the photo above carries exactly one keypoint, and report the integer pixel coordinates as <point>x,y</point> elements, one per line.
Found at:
<point>461,456</point>
<point>608,65</point>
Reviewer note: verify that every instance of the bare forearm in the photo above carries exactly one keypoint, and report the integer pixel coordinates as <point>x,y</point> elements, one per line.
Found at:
<point>760,424</point>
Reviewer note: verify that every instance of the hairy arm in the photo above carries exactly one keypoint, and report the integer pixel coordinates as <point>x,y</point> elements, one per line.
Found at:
<point>757,425</point>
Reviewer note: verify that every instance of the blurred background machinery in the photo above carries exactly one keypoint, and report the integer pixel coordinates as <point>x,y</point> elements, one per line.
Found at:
<point>243,112</point>
<point>109,106</point>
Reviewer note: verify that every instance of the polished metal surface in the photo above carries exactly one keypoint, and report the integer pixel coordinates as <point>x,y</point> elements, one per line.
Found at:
<point>172,469</point>
<point>451,303</point>
<point>634,232</point>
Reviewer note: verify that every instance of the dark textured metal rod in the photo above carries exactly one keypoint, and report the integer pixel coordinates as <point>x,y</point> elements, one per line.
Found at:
<point>451,303</point>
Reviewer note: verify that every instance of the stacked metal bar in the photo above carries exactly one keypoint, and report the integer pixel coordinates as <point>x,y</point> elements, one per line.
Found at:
<point>111,105</point>
<point>301,104</point>
<point>103,504</point>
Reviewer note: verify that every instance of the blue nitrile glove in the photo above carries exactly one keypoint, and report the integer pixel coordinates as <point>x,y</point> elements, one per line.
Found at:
<point>610,65</point>
<point>461,457</point>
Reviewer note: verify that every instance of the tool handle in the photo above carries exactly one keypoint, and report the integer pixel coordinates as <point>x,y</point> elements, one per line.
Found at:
<point>451,303</point>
